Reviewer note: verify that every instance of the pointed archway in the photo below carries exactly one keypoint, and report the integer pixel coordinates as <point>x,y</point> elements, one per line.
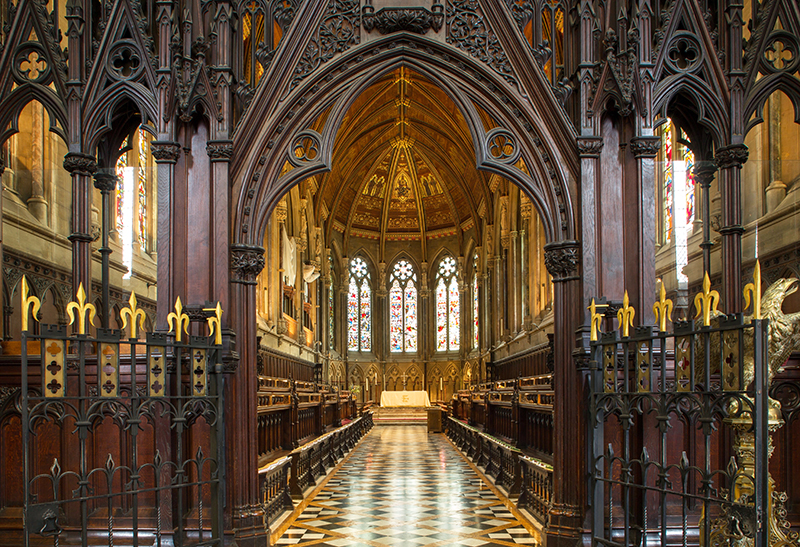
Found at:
<point>281,143</point>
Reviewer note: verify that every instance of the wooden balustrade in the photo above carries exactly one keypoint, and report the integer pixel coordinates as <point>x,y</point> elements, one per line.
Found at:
<point>313,459</point>
<point>537,488</point>
<point>499,460</point>
<point>519,412</point>
<point>273,481</point>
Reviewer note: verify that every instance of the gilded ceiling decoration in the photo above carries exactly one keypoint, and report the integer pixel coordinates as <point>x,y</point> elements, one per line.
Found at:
<point>404,164</point>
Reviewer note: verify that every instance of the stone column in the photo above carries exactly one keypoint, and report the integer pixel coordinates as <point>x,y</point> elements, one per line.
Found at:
<point>166,155</point>
<point>106,183</point>
<point>37,205</point>
<point>81,167</point>
<point>565,518</point>
<point>729,160</point>
<point>242,495</point>
<point>704,172</point>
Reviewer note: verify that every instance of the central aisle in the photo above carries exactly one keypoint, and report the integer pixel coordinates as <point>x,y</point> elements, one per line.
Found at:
<point>401,487</point>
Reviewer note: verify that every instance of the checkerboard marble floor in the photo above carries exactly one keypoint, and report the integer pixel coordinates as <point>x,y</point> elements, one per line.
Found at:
<point>405,487</point>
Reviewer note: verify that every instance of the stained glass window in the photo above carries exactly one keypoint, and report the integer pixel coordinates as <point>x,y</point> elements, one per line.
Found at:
<point>403,308</point>
<point>448,306</point>
<point>475,302</point>
<point>122,164</point>
<point>331,322</point>
<point>359,307</point>
<point>144,144</point>
<point>677,170</point>
<point>667,147</point>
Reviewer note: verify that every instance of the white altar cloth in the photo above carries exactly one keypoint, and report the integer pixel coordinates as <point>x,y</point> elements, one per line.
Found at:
<point>405,398</point>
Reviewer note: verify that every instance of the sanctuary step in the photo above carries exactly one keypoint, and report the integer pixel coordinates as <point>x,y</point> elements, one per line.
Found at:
<point>399,415</point>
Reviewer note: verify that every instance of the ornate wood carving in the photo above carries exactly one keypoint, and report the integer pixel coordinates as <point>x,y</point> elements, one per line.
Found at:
<point>389,20</point>
<point>164,151</point>
<point>562,260</point>
<point>467,30</point>
<point>734,155</point>
<point>590,147</point>
<point>220,150</point>
<point>337,33</point>
<point>645,147</point>
<point>81,164</point>
<point>246,263</point>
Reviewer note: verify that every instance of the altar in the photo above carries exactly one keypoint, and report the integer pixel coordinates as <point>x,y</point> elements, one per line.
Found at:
<point>405,398</point>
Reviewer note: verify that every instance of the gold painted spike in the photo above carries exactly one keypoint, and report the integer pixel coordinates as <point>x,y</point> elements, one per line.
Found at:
<point>215,324</point>
<point>178,321</point>
<point>135,315</point>
<point>663,309</point>
<point>81,307</point>
<point>625,316</point>
<point>754,288</point>
<point>27,301</point>
<point>706,301</point>
<point>595,320</point>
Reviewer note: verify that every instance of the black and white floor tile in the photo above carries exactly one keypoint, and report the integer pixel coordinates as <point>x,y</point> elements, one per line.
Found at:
<point>405,487</point>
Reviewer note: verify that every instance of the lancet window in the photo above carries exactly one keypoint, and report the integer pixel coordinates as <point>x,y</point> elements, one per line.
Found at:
<point>403,308</point>
<point>475,301</point>
<point>359,307</point>
<point>448,306</point>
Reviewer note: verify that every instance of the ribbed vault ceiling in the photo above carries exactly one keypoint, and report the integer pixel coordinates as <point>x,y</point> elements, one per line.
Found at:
<point>403,164</point>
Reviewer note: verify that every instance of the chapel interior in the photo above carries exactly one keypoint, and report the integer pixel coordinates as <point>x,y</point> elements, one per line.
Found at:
<point>236,233</point>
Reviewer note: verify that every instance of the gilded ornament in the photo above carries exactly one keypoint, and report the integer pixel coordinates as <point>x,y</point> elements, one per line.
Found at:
<point>178,321</point>
<point>706,302</point>
<point>81,307</point>
<point>663,309</point>
<point>625,316</point>
<point>28,301</point>
<point>215,324</point>
<point>134,314</point>
<point>754,288</point>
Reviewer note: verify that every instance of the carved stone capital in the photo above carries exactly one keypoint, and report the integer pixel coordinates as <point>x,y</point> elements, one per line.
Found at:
<point>80,164</point>
<point>704,172</point>
<point>389,20</point>
<point>165,151</point>
<point>590,147</point>
<point>734,155</point>
<point>247,261</point>
<point>220,150</point>
<point>561,260</point>
<point>645,147</point>
<point>105,182</point>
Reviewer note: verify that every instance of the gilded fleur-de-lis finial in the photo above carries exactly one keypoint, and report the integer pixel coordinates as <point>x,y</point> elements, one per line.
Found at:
<point>81,307</point>
<point>706,301</point>
<point>595,320</point>
<point>215,323</point>
<point>134,314</point>
<point>178,321</point>
<point>27,301</point>
<point>754,288</point>
<point>663,309</point>
<point>625,316</point>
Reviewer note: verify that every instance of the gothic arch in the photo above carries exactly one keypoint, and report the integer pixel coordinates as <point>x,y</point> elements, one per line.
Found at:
<point>788,84</point>
<point>257,169</point>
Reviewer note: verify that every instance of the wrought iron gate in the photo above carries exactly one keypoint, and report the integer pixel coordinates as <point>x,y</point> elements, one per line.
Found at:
<point>679,426</point>
<point>122,439</point>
